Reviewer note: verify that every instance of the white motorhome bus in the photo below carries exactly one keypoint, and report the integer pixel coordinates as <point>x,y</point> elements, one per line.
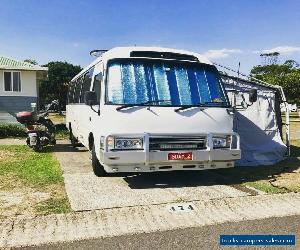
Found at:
<point>144,109</point>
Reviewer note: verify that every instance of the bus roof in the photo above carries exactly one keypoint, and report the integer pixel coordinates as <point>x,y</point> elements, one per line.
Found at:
<point>126,52</point>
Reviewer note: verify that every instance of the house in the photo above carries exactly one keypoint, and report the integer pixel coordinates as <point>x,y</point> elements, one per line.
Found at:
<point>19,83</point>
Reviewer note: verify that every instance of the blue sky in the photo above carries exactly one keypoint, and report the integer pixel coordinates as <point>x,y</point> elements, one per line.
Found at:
<point>226,31</point>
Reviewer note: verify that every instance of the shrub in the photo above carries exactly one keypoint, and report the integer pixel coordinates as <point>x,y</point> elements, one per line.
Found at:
<point>11,130</point>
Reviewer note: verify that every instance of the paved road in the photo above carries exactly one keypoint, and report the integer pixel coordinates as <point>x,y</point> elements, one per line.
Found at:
<point>206,237</point>
<point>88,192</point>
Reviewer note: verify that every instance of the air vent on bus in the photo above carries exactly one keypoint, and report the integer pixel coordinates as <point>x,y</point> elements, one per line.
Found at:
<point>177,143</point>
<point>165,55</point>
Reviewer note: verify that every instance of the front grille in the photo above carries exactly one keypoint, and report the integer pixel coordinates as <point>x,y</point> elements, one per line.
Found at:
<point>176,143</point>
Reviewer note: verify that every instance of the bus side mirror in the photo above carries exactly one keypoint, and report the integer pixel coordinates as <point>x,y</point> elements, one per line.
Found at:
<point>90,98</point>
<point>253,95</point>
<point>99,77</point>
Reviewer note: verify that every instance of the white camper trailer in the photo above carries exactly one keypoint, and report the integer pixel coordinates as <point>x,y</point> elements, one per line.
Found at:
<point>144,109</point>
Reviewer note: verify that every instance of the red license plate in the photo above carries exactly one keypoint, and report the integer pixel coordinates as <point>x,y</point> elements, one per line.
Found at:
<point>180,156</point>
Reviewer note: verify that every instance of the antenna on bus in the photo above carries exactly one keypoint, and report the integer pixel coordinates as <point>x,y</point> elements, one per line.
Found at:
<point>238,72</point>
<point>97,52</point>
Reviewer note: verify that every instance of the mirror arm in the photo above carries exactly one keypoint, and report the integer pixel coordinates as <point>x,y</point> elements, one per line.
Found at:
<point>98,112</point>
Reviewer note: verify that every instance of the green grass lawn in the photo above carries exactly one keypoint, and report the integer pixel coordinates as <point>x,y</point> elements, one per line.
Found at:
<point>62,134</point>
<point>282,177</point>
<point>279,178</point>
<point>23,171</point>
<point>30,167</point>
<point>56,118</point>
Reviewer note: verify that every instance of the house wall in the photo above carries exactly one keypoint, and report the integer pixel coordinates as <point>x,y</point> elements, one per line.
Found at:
<point>13,102</point>
<point>28,84</point>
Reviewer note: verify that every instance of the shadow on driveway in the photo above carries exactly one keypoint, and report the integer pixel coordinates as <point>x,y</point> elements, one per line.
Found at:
<point>175,179</point>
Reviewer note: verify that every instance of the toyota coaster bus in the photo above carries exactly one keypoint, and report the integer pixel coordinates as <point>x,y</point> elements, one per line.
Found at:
<point>145,109</point>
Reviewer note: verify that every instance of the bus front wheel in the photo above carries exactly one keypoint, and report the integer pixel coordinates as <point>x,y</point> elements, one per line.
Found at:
<point>97,167</point>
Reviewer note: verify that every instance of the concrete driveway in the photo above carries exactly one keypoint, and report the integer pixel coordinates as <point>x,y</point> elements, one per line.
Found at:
<point>88,192</point>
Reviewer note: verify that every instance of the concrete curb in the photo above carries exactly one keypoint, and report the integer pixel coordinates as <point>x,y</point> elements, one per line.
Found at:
<point>142,219</point>
<point>13,141</point>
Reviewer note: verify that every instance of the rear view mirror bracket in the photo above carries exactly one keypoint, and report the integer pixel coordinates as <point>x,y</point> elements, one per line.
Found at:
<point>90,99</point>
<point>253,95</point>
<point>252,99</point>
<point>96,111</point>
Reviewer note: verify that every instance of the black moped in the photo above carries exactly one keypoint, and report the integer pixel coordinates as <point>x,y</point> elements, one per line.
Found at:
<point>40,129</point>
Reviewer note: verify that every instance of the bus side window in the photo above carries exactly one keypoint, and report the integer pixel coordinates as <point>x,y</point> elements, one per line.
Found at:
<point>70,88</point>
<point>87,80</point>
<point>77,89</point>
<point>97,86</point>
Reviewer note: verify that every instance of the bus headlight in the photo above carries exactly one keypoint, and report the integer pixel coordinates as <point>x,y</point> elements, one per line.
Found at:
<point>117,143</point>
<point>222,141</point>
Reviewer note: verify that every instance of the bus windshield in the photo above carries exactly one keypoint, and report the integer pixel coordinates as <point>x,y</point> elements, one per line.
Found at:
<point>164,83</point>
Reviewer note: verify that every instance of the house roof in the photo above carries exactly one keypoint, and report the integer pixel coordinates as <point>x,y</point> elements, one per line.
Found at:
<point>8,63</point>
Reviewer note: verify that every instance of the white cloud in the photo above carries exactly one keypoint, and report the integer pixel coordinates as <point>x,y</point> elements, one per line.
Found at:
<point>220,53</point>
<point>75,45</point>
<point>281,49</point>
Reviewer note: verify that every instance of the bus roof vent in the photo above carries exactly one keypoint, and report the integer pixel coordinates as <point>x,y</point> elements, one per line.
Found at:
<point>164,55</point>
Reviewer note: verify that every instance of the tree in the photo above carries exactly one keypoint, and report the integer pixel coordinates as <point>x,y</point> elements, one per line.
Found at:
<point>32,61</point>
<point>56,86</point>
<point>286,75</point>
<point>270,58</point>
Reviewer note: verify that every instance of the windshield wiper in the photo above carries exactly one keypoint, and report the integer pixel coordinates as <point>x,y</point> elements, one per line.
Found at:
<point>202,104</point>
<point>141,104</point>
<point>188,106</point>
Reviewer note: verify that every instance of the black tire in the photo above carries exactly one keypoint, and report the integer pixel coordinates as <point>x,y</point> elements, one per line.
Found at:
<point>38,148</point>
<point>54,142</point>
<point>97,167</point>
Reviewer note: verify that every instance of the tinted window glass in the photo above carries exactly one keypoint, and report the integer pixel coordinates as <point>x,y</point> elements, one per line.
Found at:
<point>16,81</point>
<point>97,87</point>
<point>71,93</point>
<point>87,80</point>
<point>7,81</point>
<point>77,90</point>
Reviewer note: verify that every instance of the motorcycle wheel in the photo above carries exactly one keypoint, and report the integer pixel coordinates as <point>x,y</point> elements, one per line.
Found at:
<point>37,147</point>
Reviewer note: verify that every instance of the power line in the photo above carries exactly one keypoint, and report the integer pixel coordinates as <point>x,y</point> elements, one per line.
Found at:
<point>248,77</point>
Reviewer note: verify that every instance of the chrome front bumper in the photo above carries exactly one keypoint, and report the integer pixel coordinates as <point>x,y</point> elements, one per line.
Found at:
<point>147,160</point>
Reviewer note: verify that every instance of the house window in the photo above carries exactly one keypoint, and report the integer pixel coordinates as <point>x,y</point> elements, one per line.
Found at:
<point>12,81</point>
